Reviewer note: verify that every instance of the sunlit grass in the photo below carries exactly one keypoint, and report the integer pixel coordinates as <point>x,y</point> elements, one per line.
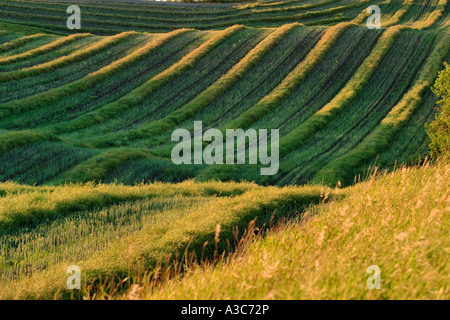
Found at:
<point>398,221</point>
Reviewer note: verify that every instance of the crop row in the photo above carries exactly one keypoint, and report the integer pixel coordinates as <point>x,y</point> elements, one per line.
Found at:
<point>252,85</point>
<point>71,69</point>
<point>380,138</point>
<point>207,96</point>
<point>135,96</point>
<point>57,114</point>
<point>180,90</point>
<point>130,23</point>
<point>43,49</point>
<point>76,86</point>
<point>167,17</point>
<point>393,78</point>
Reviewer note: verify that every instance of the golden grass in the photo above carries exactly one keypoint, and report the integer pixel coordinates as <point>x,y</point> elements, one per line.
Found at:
<point>10,188</point>
<point>398,221</point>
<point>21,204</point>
<point>294,8</point>
<point>170,238</point>
<point>182,17</point>
<point>95,168</point>
<point>259,4</point>
<point>361,17</point>
<point>395,19</point>
<point>432,18</point>
<point>15,139</point>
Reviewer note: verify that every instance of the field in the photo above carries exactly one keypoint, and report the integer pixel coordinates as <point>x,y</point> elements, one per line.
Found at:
<point>87,178</point>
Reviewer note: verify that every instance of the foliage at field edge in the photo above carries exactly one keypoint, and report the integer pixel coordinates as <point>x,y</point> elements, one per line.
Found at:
<point>439,128</point>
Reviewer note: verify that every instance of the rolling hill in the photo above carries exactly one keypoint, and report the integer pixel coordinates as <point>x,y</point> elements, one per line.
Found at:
<point>100,104</point>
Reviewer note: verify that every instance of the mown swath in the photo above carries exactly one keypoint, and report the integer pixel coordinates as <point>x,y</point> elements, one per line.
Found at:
<point>153,16</point>
<point>26,208</point>
<point>207,96</point>
<point>388,83</point>
<point>269,102</point>
<point>182,89</point>
<point>137,95</point>
<point>78,113</point>
<point>73,87</point>
<point>431,18</point>
<point>53,116</point>
<point>299,135</point>
<point>52,65</point>
<point>21,88</point>
<point>385,132</point>
<point>43,49</point>
<point>4,47</point>
<point>344,97</point>
<point>104,22</point>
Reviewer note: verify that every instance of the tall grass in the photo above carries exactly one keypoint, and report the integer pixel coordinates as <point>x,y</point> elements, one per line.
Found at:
<point>291,81</point>
<point>43,49</point>
<point>55,94</point>
<point>101,20</point>
<point>320,119</point>
<point>205,97</point>
<point>340,169</point>
<point>272,4</point>
<point>63,61</point>
<point>398,222</point>
<point>10,188</point>
<point>137,95</point>
<point>19,42</point>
